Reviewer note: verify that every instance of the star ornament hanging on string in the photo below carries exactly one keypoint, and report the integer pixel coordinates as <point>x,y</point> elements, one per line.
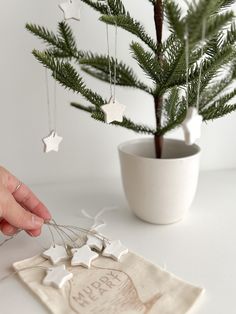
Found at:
<point>52,142</point>
<point>94,243</point>
<point>115,250</point>
<point>57,276</point>
<point>83,256</point>
<point>56,254</point>
<point>71,9</point>
<point>192,126</point>
<point>114,111</point>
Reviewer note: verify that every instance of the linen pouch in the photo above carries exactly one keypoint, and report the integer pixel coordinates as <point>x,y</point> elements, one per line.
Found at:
<point>131,286</point>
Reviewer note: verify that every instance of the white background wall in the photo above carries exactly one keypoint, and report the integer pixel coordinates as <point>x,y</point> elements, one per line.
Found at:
<point>89,147</point>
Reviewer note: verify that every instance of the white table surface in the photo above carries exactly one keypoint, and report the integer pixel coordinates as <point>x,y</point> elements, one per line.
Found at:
<point>201,249</point>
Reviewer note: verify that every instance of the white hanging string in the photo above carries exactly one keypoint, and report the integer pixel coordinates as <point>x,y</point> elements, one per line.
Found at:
<point>52,112</point>
<point>55,105</point>
<point>109,58</point>
<point>115,64</point>
<point>50,125</point>
<point>112,86</point>
<point>52,235</point>
<point>201,62</point>
<point>3,242</point>
<point>97,222</point>
<point>186,37</point>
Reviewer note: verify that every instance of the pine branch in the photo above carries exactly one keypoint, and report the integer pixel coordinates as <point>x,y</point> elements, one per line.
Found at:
<point>47,36</point>
<point>216,24</point>
<point>174,123</point>
<point>68,77</point>
<point>173,14</point>
<point>205,82</point>
<point>147,61</point>
<point>127,123</point>
<point>98,67</point>
<point>207,10</point>
<point>99,6</point>
<point>215,111</point>
<point>230,37</point>
<point>59,54</point>
<point>131,25</point>
<point>224,4</point>
<point>211,67</point>
<point>175,69</point>
<point>67,35</point>
<point>168,43</point>
<point>116,14</point>
<point>113,7</point>
<point>216,89</point>
<point>220,103</point>
<point>62,45</point>
<point>171,104</point>
<point>65,74</point>
<point>88,109</point>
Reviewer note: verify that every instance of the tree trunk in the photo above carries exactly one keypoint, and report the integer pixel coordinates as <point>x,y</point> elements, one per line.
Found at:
<point>158,100</point>
<point>158,139</point>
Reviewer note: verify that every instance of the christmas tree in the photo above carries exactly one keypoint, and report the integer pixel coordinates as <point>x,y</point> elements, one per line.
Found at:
<point>163,61</point>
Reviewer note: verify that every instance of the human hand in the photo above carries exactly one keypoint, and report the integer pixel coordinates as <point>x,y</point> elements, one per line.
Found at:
<point>19,207</point>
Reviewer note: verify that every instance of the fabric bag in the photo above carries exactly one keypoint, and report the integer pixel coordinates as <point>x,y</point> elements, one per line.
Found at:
<point>131,286</point>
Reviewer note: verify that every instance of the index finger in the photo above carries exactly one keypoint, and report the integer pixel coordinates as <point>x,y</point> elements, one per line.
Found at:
<point>29,201</point>
<point>26,197</point>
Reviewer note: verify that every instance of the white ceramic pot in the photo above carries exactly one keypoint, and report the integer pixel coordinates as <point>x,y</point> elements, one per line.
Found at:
<point>159,191</point>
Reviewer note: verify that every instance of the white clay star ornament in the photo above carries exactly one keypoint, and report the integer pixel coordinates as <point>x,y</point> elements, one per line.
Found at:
<point>113,111</point>
<point>57,276</point>
<point>52,142</point>
<point>192,126</point>
<point>71,9</point>
<point>115,250</point>
<point>94,243</point>
<point>83,256</point>
<point>56,254</point>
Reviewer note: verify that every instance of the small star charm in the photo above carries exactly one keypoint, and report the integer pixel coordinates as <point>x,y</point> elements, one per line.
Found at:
<point>52,142</point>
<point>115,250</point>
<point>94,243</point>
<point>192,126</point>
<point>71,9</point>
<point>56,254</point>
<point>57,276</point>
<point>114,111</point>
<point>83,256</point>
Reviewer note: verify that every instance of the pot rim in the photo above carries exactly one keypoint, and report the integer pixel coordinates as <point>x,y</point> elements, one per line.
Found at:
<point>148,139</point>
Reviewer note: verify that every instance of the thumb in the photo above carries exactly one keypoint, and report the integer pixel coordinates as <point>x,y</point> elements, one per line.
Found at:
<point>16,215</point>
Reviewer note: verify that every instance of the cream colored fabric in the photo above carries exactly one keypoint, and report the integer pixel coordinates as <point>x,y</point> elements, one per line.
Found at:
<point>132,286</point>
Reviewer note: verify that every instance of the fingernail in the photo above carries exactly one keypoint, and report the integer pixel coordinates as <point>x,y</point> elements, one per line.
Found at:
<point>37,221</point>
<point>30,233</point>
<point>48,217</point>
